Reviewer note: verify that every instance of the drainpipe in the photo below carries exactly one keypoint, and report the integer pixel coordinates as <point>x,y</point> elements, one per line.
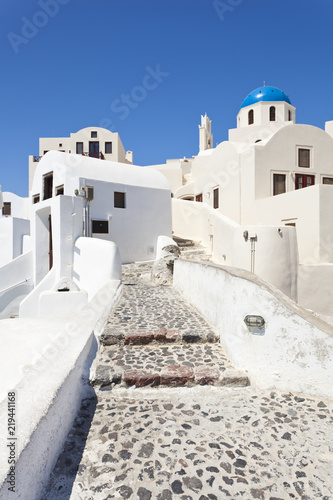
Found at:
<point>253,251</point>
<point>253,238</point>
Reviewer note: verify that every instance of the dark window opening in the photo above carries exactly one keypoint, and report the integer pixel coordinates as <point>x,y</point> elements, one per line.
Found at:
<point>59,190</point>
<point>94,149</point>
<point>251,117</point>
<point>60,145</point>
<point>100,226</point>
<point>93,135</point>
<point>119,199</point>
<point>7,208</point>
<point>279,184</point>
<point>289,115</point>
<point>79,148</point>
<point>272,114</point>
<point>47,186</point>
<point>198,197</point>
<point>216,198</point>
<point>45,152</point>
<point>304,158</point>
<point>35,198</point>
<point>328,180</point>
<point>108,148</point>
<point>303,181</point>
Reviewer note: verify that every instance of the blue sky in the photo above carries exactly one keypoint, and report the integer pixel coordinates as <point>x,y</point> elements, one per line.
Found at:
<point>69,64</point>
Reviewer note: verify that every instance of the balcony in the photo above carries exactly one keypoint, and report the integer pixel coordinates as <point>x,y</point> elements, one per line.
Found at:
<point>91,154</point>
<point>94,155</point>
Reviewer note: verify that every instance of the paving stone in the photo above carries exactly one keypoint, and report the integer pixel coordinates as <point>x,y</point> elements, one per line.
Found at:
<point>139,337</point>
<point>204,375</point>
<point>176,375</point>
<point>187,441</point>
<point>140,378</point>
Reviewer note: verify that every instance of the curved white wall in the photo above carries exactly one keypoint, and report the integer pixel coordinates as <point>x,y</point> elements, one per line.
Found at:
<point>95,263</point>
<point>294,351</point>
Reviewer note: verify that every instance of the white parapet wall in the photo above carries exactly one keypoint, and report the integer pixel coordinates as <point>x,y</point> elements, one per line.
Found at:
<point>294,350</point>
<point>16,283</point>
<point>46,364</point>
<point>227,242</point>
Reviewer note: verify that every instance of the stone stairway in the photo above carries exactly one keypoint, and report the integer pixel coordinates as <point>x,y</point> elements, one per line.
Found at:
<point>169,418</point>
<point>153,338</point>
<point>190,249</point>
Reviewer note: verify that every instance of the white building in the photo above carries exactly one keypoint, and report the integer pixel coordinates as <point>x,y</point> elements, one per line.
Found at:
<point>95,142</point>
<point>87,216</point>
<point>255,213</point>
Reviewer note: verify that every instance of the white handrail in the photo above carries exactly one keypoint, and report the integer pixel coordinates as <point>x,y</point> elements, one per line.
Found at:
<point>14,286</point>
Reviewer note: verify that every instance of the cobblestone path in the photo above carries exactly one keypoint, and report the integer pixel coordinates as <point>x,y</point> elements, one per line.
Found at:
<point>203,438</point>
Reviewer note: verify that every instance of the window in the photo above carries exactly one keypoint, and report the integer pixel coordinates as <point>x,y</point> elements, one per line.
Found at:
<point>79,148</point>
<point>289,115</point>
<point>279,184</point>
<point>93,135</point>
<point>7,208</point>
<point>119,199</point>
<point>108,148</point>
<point>47,186</point>
<point>303,158</point>
<point>251,117</point>
<point>100,226</point>
<point>35,198</point>
<point>216,198</point>
<point>94,149</point>
<point>303,181</point>
<point>272,114</point>
<point>328,180</point>
<point>198,197</point>
<point>59,190</point>
<point>60,145</point>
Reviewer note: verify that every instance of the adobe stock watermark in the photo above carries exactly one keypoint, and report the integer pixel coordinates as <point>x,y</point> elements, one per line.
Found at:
<point>222,7</point>
<point>123,105</point>
<point>31,27</point>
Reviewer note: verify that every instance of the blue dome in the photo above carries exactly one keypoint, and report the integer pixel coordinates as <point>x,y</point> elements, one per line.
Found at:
<point>265,94</point>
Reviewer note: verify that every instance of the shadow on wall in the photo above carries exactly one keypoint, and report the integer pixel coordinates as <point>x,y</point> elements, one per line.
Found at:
<point>67,466</point>
<point>11,299</point>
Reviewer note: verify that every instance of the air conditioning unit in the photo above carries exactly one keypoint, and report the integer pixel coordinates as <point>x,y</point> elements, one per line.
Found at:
<point>88,192</point>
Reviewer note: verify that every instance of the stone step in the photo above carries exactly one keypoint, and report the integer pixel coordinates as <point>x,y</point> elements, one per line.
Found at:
<point>144,336</point>
<point>183,242</point>
<point>171,365</point>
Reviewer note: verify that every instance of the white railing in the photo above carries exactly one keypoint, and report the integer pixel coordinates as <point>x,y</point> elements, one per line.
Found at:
<point>26,280</point>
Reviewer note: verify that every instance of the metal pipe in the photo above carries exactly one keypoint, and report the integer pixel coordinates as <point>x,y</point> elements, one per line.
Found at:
<point>14,286</point>
<point>253,250</point>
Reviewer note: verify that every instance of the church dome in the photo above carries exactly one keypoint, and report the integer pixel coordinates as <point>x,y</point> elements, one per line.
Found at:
<point>265,94</point>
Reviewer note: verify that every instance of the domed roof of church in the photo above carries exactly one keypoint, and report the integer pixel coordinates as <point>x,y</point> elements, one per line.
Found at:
<point>265,94</point>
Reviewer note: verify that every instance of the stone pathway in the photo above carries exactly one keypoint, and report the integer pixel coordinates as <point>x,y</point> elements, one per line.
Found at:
<point>189,441</point>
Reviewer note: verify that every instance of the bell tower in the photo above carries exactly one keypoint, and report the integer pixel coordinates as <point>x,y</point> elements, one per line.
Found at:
<point>205,134</point>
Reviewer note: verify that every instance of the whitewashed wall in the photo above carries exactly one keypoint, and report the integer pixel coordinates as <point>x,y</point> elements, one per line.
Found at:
<point>16,282</point>
<point>295,350</point>
<point>95,262</point>
<point>276,254</point>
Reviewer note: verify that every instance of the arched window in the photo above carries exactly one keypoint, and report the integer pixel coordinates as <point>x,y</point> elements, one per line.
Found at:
<point>289,115</point>
<point>251,117</point>
<point>272,113</point>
